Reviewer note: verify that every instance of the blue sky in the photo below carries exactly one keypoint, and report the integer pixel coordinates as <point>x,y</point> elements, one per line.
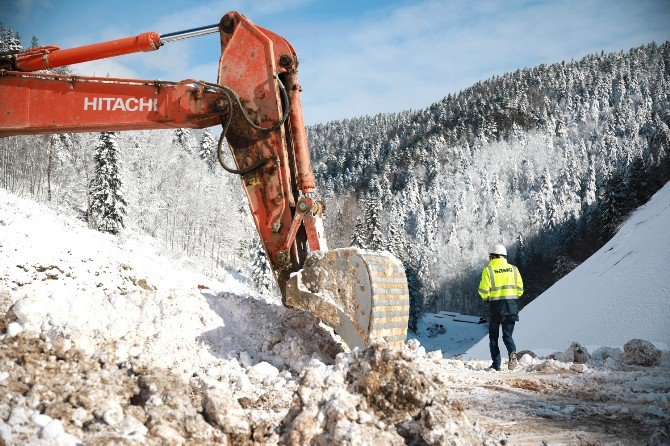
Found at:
<point>357,56</point>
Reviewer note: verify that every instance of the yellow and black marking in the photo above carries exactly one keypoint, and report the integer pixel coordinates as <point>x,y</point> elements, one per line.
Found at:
<point>390,299</point>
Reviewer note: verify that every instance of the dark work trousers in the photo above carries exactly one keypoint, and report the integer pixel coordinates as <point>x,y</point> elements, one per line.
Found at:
<point>494,329</point>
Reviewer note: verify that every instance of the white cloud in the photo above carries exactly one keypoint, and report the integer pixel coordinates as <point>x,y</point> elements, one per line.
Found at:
<point>417,54</point>
<point>104,68</point>
<point>395,58</point>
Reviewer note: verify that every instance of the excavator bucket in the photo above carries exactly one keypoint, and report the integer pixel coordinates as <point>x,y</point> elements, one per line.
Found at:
<point>361,294</point>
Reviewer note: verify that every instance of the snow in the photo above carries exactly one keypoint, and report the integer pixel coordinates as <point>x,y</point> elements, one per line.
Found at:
<point>620,293</point>
<point>89,289</point>
<point>255,363</point>
<point>52,431</point>
<point>460,333</point>
<point>14,329</point>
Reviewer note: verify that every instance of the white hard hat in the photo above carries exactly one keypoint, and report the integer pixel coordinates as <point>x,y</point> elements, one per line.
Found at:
<point>499,249</point>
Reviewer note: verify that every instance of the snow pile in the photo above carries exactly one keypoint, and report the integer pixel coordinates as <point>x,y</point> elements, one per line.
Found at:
<point>72,398</point>
<point>93,289</point>
<point>378,396</point>
<point>639,352</point>
<point>159,354</point>
<point>618,294</point>
<point>56,393</point>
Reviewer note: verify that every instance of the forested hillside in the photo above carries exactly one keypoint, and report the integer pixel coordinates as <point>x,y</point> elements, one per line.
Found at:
<point>546,160</point>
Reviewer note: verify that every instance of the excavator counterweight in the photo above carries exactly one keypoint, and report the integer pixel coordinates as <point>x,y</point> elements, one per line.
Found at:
<point>363,295</point>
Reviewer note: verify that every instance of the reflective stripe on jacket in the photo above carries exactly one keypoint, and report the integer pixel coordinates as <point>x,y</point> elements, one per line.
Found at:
<point>500,281</point>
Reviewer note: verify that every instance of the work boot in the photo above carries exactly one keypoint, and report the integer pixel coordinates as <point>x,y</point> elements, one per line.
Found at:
<point>513,362</point>
<point>493,368</point>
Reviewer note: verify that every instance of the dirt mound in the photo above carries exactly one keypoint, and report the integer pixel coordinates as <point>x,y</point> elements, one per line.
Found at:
<point>377,396</point>
<point>97,401</point>
<point>54,392</point>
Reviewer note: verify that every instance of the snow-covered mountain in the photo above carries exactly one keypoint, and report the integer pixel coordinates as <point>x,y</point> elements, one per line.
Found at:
<point>547,160</point>
<point>620,292</point>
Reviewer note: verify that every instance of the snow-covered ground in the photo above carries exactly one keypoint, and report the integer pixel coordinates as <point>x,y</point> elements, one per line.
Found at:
<point>460,332</point>
<point>170,356</point>
<point>621,292</point>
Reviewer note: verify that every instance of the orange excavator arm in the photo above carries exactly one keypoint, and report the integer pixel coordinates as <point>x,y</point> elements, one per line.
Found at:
<point>256,99</point>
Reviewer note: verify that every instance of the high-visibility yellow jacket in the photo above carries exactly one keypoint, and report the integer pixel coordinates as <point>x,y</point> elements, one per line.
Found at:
<point>500,281</point>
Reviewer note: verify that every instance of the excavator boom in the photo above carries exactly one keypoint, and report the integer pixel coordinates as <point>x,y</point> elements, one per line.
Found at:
<point>362,295</point>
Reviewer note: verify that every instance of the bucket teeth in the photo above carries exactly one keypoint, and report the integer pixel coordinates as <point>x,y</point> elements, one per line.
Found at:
<point>362,294</point>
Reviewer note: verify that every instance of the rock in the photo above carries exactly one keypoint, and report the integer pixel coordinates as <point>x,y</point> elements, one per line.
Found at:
<point>526,352</point>
<point>603,353</point>
<point>80,416</point>
<point>113,415</point>
<point>167,433</point>
<point>550,366</point>
<point>13,329</point>
<point>17,416</point>
<point>5,433</point>
<point>263,370</point>
<point>557,356</point>
<point>413,344</point>
<point>41,420</point>
<point>69,440</point>
<point>52,431</point>
<point>131,426</point>
<point>3,378</point>
<point>640,352</point>
<point>435,330</point>
<point>226,412</point>
<point>364,417</point>
<point>579,368</point>
<point>610,363</point>
<point>526,359</point>
<point>576,353</point>
<point>242,381</point>
<point>245,359</point>
<point>443,422</point>
<point>314,363</point>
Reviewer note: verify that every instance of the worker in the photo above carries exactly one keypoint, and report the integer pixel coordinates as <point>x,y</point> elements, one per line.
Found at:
<point>500,287</point>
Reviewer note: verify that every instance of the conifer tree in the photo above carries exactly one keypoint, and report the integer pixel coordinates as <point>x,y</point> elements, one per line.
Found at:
<point>520,252</point>
<point>415,295</point>
<point>182,137</point>
<point>261,272</point>
<point>590,187</point>
<point>638,182</point>
<point>373,224</point>
<point>207,150</point>
<point>359,239</point>
<point>611,209</point>
<point>10,41</point>
<point>107,205</point>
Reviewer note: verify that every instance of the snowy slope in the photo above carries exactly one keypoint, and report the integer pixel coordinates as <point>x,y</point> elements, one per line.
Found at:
<point>257,368</point>
<point>619,293</point>
<point>93,289</point>
<point>458,335</point>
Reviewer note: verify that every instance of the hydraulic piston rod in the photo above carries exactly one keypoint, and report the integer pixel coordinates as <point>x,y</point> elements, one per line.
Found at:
<point>47,57</point>
<point>189,33</point>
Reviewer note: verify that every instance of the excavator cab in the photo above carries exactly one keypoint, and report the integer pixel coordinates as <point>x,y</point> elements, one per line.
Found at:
<point>362,294</point>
